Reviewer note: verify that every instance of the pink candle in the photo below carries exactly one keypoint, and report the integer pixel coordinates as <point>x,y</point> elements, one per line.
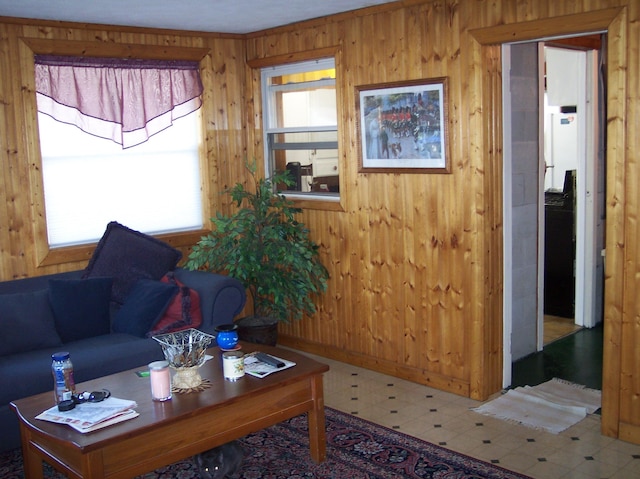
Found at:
<point>160,380</point>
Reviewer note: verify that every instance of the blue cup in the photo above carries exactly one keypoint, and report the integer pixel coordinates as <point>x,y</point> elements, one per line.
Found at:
<point>227,337</point>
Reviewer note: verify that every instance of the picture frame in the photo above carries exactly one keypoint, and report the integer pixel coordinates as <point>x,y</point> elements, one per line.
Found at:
<point>403,127</point>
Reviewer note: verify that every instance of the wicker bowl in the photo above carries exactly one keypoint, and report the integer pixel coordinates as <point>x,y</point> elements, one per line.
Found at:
<point>185,351</point>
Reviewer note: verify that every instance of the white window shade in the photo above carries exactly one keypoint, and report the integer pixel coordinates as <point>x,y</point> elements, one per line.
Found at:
<point>154,187</point>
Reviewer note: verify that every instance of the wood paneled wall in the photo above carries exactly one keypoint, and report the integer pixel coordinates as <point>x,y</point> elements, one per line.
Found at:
<point>415,259</point>
<point>416,286</point>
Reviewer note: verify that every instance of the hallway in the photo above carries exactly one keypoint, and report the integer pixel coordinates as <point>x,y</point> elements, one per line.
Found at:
<point>576,358</point>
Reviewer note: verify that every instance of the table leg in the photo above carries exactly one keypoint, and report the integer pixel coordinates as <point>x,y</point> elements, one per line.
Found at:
<point>31,462</point>
<point>317,438</point>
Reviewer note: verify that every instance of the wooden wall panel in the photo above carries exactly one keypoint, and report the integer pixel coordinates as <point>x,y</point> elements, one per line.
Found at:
<point>415,259</point>
<point>424,284</point>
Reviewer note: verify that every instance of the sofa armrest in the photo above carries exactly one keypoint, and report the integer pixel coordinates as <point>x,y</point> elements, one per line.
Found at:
<point>221,297</point>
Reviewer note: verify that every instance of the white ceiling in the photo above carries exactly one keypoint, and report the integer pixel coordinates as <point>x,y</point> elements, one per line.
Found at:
<point>223,16</point>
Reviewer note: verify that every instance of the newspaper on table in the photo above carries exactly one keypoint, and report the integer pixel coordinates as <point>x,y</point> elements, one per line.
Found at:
<point>254,367</point>
<point>88,416</point>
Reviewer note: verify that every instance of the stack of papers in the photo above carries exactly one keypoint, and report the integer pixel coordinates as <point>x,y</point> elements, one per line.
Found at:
<point>88,416</point>
<point>254,367</point>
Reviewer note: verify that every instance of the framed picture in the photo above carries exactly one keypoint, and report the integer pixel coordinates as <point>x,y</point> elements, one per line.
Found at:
<point>403,127</point>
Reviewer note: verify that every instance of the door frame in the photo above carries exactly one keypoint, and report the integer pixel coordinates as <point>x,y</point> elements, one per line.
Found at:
<point>613,21</point>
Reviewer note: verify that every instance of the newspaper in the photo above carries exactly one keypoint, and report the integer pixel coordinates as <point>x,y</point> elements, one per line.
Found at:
<point>254,367</point>
<point>88,416</point>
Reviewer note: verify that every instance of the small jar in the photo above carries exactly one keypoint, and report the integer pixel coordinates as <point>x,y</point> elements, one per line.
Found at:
<point>227,337</point>
<point>64,386</point>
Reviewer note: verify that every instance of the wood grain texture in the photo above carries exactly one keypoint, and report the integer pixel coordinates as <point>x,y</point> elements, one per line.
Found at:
<point>415,260</point>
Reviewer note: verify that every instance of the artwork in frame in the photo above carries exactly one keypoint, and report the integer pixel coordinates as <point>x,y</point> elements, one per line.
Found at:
<point>403,127</point>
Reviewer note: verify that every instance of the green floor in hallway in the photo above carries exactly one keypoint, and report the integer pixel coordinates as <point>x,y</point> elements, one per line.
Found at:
<point>576,358</point>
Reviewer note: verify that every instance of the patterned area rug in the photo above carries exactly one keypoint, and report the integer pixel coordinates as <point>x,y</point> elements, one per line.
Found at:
<point>356,449</point>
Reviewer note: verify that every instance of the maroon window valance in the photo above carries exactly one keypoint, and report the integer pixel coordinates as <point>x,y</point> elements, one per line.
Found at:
<point>124,100</point>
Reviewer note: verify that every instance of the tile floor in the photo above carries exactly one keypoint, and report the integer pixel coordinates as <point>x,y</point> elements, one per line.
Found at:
<point>446,419</point>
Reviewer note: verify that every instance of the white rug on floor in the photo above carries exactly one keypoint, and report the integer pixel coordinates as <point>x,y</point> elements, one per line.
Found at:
<point>552,406</point>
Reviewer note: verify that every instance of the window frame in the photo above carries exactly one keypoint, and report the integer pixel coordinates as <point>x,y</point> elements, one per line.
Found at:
<point>306,200</point>
<point>45,255</point>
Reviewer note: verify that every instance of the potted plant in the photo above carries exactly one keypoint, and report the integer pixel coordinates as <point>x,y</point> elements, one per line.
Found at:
<point>268,250</point>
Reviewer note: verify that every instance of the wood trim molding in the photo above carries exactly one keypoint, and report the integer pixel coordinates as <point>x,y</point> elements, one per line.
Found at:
<point>42,46</point>
<point>589,22</point>
<point>293,57</point>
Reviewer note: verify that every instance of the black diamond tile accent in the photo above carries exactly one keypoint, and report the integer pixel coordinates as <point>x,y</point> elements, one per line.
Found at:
<point>390,384</point>
<point>354,399</point>
<point>589,458</point>
<point>495,461</point>
<point>437,425</point>
<point>433,410</point>
<point>479,424</point>
<point>635,456</point>
<point>394,411</point>
<point>354,374</point>
<point>575,438</point>
<point>486,441</point>
<point>392,397</point>
<point>530,439</point>
<point>396,427</point>
<point>542,459</point>
<point>354,385</point>
<point>429,396</point>
<point>442,443</point>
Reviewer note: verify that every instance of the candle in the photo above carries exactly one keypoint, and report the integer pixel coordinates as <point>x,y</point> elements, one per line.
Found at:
<point>160,377</point>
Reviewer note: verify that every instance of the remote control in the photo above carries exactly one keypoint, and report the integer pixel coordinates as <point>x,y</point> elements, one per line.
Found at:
<point>265,358</point>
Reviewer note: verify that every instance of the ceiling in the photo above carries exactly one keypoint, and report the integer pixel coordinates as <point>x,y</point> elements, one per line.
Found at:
<point>223,16</point>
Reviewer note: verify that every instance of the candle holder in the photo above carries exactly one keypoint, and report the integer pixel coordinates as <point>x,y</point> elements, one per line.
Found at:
<point>185,352</point>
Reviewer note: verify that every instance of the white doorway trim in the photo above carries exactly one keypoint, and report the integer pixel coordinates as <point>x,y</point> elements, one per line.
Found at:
<point>507,231</point>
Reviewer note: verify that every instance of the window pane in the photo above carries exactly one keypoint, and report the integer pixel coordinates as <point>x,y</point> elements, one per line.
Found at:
<point>300,115</point>
<point>154,187</point>
<point>311,157</point>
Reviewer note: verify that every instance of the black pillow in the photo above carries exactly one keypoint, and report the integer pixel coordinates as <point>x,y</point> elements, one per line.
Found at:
<point>126,256</point>
<point>144,307</point>
<point>81,307</point>
<point>26,322</point>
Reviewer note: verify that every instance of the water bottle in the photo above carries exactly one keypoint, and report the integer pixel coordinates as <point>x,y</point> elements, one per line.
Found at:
<point>64,387</point>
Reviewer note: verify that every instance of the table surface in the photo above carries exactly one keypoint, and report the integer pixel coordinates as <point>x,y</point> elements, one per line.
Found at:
<point>255,402</point>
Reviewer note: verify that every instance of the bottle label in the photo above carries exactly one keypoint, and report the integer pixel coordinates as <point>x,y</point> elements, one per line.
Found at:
<point>64,383</point>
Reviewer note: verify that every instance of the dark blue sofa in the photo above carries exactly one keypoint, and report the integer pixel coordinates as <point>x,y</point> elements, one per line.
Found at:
<point>27,373</point>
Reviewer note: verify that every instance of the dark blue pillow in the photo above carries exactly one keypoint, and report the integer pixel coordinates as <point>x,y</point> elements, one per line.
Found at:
<point>144,307</point>
<point>126,256</point>
<point>81,307</point>
<point>26,322</point>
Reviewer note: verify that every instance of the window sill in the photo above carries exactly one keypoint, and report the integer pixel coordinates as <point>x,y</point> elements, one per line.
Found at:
<point>71,254</point>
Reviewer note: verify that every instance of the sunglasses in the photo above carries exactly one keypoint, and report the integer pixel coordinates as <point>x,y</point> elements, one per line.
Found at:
<point>95,396</point>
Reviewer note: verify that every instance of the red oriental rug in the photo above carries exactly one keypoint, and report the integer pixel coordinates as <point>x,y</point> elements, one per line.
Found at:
<point>356,449</point>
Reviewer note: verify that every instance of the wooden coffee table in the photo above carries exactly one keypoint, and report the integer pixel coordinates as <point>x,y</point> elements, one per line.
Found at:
<point>166,432</point>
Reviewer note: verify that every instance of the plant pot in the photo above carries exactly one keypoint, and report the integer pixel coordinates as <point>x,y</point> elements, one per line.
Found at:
<point>258,330</point>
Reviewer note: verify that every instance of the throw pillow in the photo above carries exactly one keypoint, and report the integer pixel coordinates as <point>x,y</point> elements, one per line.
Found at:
<point>144,307</point>
<point>27,323</point>
<point>126,256</point>
<point>183,312</point>
<point>81,307</point>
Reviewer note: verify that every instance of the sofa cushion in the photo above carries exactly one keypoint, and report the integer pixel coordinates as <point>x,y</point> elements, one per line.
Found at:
<point>30,372</point>
<point>144,307</point>
<point>183,311</point>
<point>81,307</point>
<point>127,255</point>
<point>27,322</point>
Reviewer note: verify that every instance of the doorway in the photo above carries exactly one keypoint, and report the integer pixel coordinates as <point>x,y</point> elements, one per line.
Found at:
<point>554,195</point>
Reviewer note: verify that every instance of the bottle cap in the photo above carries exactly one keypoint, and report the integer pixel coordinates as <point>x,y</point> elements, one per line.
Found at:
<point>61,356</point>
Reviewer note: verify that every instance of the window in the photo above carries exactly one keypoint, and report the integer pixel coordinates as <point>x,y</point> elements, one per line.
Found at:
<point>300,126</point>
<point>154,187</point>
